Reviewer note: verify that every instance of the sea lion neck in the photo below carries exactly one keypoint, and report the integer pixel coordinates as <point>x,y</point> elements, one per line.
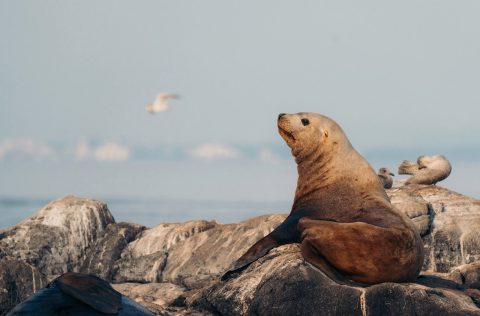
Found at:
<point>317,171</point>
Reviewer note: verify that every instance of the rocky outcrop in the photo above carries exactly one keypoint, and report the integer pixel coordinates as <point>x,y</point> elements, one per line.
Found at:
<point>452,235</point>
<point>207,255</point>
<point>158,297</point>
<point>18,280</point>
<point>55,239</point>
<point>145,258</point>
<point>282,283</point>
<point>106,250</point>
<point>174,268</point>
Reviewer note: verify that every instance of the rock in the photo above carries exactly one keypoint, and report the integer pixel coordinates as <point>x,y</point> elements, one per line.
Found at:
<point>415,207</point>
<point>56,238</point>
<point>189,254</point>
<point>282,283</point>
<point>145,258</point>
<point>155,296</point>
<point>468,275</point>
<point>413,299</point>
<point>179,264</point>
<point>207,255</point>
<point>106,250</point>
<point>453,238</point>
<point>18,280</point>
<point>79,295</point>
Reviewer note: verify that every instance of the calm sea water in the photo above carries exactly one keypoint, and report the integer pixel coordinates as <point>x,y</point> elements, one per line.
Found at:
<point>150,212</point>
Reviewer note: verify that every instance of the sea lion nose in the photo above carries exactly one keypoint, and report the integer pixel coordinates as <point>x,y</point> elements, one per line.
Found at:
<point>280,115</point>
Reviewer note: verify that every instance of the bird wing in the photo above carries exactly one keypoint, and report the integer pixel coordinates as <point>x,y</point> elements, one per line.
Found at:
<point>166,96</point>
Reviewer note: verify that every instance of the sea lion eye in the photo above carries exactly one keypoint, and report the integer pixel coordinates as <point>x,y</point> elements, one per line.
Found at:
<point>305,122</point>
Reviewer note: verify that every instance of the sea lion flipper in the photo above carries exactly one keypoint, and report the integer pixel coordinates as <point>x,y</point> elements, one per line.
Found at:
<point>258,250</point>
<point>285,233</point>
<point>92,291</point>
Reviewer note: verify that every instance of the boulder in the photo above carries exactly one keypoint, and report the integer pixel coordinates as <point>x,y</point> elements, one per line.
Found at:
<point>174,268</point>
<point>452,237</point>
<point>106,250</point>
<point>207,255</point>
<point>144,259</point>
<point>282,283</point>
<point>189,254</point>
<point>156,297</point>
<point>18,280</point>
<point>56,238</point>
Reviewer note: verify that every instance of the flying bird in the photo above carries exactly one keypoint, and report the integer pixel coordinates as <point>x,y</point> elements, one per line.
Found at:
<point>161,103</point>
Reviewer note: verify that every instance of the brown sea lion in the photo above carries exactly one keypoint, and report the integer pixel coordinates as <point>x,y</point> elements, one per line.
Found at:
<point>385,176</point>
<point>341,214</point>
<point>427,170</point>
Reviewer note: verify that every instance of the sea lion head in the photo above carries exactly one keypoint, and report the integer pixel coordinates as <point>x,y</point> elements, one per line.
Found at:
<point>306,133</point>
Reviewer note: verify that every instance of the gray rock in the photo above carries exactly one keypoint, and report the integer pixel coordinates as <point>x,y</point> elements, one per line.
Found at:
<point>207,255</point>
<point>56,238</point>
<point>18,280</point>
<point>144,259</point>
<point>181,263</point>
<point>106,250</point>
<point>189,254</point>
<point>156,297</point>
<point>415,207</point>
<point>453,238</point>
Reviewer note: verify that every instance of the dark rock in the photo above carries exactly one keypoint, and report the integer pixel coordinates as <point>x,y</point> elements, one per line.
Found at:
<point>18,280</point>
<point>106,250</point>
<point>412,299</point>
<point>281,283</point>
<point>82,295</point>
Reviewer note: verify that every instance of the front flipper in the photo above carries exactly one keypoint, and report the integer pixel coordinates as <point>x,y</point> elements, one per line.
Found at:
<point>258,250</point>
<point>286,233</point>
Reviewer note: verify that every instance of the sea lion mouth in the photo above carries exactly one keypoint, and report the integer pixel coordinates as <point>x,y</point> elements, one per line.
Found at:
<point>286,134</point>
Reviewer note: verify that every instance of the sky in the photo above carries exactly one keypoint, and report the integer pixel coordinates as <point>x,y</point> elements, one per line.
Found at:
<point>401,78</point>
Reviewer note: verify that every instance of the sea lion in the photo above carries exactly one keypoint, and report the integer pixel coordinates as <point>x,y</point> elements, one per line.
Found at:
<point>385,176</point>
<point>341,214</point>
<point>78,294</point>
<point>427,170</point>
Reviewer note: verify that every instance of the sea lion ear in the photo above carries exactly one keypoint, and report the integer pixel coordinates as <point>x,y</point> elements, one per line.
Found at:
<point>325,133</point>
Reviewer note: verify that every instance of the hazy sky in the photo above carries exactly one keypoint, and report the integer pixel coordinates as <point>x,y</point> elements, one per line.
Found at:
<point>402,78</point>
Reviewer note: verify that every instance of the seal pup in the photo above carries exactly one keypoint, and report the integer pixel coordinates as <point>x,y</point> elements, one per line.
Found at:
<point>78,294</point>
<point>161,103</point>
<point>341,214</point>
<point>385,176</point>
<point>427,170</point>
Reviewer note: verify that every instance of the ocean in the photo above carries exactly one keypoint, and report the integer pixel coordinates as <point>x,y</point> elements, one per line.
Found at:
<point>150,212</point>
